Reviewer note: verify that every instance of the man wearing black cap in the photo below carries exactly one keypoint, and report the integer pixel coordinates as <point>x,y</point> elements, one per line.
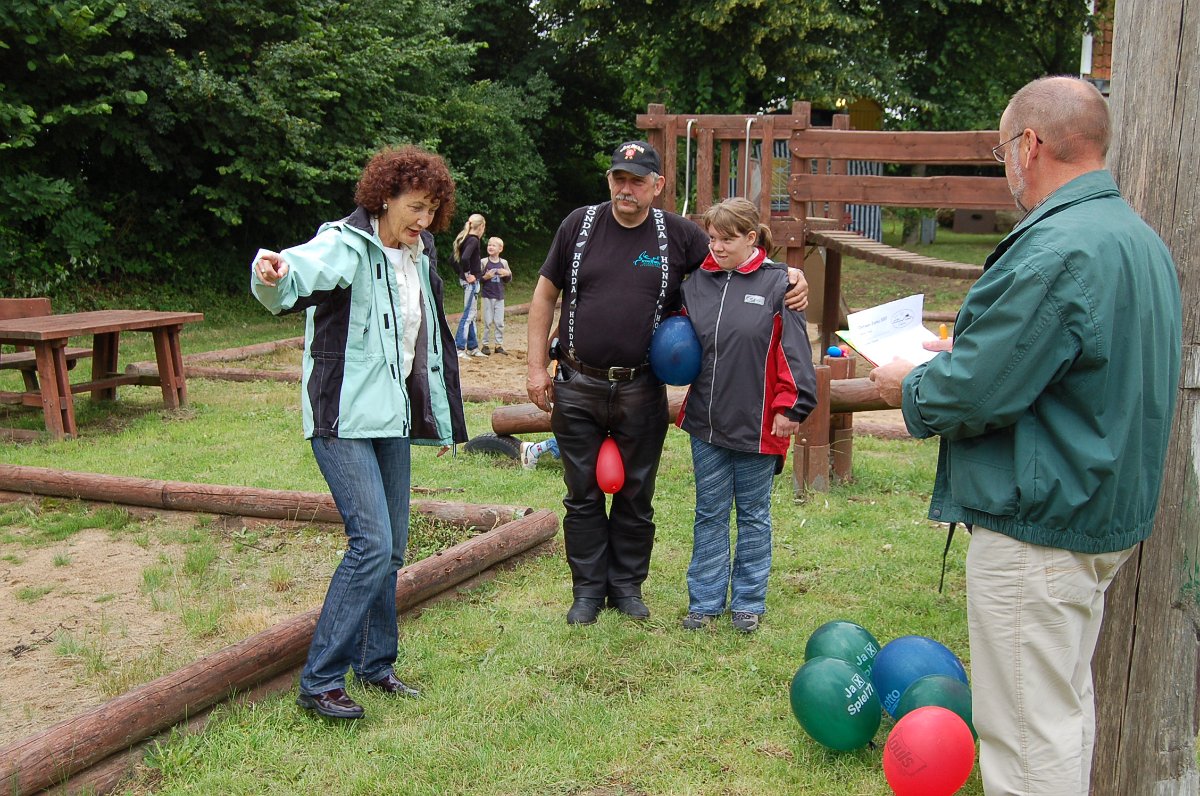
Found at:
<point>619,265</point>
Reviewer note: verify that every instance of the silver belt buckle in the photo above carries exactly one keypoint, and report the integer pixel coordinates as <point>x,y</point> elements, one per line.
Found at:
<point>612,374</point>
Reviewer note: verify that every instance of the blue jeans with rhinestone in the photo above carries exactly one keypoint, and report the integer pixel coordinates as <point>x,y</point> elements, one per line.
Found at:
<point>369,480</point>
<point>465,337</point>
<point>724,479</point>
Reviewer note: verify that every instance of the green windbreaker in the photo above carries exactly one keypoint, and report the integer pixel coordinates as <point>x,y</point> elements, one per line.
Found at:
<point>1055,406</point>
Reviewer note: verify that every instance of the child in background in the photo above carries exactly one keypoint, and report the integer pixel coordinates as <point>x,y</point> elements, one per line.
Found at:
<point>496,274</point>
<point>756,385</point>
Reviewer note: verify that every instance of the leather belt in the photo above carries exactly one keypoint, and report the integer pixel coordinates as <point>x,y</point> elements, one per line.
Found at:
<point>612,374</point>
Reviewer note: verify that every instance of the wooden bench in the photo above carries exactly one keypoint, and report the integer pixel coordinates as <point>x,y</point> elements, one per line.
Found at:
<point>824,190</point>
<point>23,358</point>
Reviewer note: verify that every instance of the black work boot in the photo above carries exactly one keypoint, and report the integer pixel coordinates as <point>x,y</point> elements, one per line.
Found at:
<point>584,611</point>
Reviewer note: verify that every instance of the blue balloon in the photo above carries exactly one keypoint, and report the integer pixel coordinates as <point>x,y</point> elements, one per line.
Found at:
<point>905,660</point>
<point>675,351</point>
<point>834,351</point>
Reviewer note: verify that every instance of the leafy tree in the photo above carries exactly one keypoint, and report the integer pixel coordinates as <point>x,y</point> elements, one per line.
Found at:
<point>56,63</point>
<point>579,114</point>
<point>706,56</point>
<point>167,139</point>
<point>953,64</point>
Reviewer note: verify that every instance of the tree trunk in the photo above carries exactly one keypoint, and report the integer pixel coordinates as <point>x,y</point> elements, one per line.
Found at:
<point>1146,663</point>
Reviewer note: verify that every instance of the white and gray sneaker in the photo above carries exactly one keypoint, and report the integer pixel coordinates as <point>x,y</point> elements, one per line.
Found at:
<point>745,622</point>
<point>696,620</point>
<point>477,353</point>
<point>528,459</point>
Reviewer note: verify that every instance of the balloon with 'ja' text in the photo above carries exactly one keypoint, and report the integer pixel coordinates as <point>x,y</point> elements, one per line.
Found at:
<point>835,703</point>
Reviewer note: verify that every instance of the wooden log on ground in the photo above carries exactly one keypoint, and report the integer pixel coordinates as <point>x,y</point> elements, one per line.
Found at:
<point>149,371</point>
<point>845,395</point>
<point>482,395</point>
<point>20,435</point>
<point>53,755</point>
<point>104,777</point>
<point>244,352</point>
<point>221,499</point>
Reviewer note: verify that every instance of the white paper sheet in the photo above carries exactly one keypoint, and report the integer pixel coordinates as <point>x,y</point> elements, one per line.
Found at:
<point>890,330</point>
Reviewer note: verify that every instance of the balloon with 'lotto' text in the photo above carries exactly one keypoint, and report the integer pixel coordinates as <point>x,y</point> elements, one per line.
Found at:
<point>930,752</point>
<point>904,660</point>
<point>610,470</point>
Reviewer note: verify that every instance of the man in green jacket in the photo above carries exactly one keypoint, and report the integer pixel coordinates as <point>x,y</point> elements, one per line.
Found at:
<point>1054,403</point>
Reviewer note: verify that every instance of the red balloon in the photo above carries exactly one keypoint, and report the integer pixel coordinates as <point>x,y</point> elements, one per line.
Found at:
<point>610,470</point>
<point>930,752</point>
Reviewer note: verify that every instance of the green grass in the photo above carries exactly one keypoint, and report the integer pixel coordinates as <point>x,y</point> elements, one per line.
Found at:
<point>515,701</point>
<point>55,520</point>
<point>31,594</point>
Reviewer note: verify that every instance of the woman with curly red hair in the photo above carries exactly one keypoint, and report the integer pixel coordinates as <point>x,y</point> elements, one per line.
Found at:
<point>380,373</point>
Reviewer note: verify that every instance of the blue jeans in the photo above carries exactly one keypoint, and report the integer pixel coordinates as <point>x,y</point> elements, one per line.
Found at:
<point>465,338</point>
<point>369,479</point>
<point>724,478</point>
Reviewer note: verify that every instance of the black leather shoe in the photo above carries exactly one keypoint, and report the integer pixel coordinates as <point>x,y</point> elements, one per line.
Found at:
<point>391,684</point>
<point>633,607</point>
<point>334,703</point>
<point>584,611</point>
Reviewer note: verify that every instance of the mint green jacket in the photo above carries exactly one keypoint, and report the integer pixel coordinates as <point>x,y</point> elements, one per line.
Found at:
<point>353,353</point>
<point>1055,406</point>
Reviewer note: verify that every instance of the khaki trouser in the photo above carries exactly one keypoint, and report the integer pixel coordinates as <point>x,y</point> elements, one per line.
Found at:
<point>1034,616</point>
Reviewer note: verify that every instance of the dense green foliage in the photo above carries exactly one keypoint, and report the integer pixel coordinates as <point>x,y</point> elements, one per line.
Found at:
<point>168,139</point>
<point>165,140</point>
<point>953,64</point>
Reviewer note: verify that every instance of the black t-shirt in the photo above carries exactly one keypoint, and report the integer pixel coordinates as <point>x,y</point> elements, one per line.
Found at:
<point>468,260</point>
<point>619,281</point>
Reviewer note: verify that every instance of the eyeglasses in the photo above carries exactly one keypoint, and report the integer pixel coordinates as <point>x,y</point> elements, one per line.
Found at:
<point>997,150</point>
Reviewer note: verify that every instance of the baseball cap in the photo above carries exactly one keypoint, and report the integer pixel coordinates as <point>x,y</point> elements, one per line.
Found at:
<point>636,157</point>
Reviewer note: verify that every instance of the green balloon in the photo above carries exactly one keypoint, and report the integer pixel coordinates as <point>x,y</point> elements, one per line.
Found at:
<point>941,690</point>
<point>846,641</point>
<point>836,703</point>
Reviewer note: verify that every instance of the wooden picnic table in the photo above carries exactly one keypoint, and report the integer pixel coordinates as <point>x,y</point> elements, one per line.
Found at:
<point>48,335</point>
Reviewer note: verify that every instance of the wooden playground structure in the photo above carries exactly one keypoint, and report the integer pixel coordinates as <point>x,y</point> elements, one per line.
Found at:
<point>806,193</point>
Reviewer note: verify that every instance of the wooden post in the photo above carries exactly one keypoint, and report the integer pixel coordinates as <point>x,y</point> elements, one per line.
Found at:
<point>810,462</point>
<point>831,303</point>
<point>1146,662</point>
<point>104,363</point>
<point>766,164</point>
<point>841,424</point>
<point>704,170</point>
<point>723,174</point>
<point>58,404</point>
<point>837,210</point>
<point>670,162</point>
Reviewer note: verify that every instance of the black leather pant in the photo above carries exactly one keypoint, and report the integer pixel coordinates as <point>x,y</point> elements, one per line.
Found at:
<point>609,555</point>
